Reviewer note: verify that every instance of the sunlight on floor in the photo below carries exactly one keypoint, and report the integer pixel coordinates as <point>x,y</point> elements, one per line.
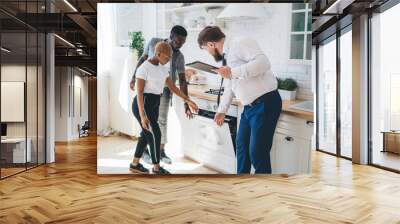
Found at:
<point>116,152</point>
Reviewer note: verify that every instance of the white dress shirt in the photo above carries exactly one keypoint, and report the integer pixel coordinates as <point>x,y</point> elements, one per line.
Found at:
<point>251,72</point>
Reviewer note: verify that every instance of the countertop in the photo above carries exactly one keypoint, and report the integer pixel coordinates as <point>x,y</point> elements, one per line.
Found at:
<point>199,92</point>
<point>309,116</point>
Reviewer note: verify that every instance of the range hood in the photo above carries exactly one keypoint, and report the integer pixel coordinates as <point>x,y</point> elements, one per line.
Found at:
<point>242,11</point>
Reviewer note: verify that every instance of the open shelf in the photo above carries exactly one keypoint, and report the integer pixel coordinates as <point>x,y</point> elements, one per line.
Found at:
<point>194,7</point>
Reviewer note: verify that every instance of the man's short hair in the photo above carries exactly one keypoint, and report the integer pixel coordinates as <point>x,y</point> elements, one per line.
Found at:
<point>210,34</point>
<point>178,31</point>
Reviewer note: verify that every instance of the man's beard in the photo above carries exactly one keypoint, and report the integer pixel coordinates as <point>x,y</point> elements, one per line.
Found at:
<point>217,56</point>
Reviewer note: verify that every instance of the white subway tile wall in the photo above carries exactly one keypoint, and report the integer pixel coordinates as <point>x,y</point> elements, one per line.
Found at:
<point>273,36</point>
<point>303,79</point>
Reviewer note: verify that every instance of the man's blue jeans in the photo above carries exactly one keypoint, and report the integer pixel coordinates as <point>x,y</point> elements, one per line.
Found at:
<point>256,132</point>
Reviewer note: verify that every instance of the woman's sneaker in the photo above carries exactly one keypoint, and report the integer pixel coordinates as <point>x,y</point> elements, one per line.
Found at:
<point>138,168</point>
<point>161,171</point>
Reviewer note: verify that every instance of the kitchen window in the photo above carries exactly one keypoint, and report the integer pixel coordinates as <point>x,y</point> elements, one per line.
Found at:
<point>300,32</point>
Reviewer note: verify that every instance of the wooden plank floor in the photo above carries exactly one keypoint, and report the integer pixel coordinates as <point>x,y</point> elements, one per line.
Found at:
<point>70,191</point>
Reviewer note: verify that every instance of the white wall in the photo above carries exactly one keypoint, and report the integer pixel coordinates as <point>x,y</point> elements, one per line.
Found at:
<point>61,103</point>
<point>273,35</point>
<point>81,114</point>
<point>114,96</point>
<point>116,64</point>
<point>12,73</point>
<point>120,107</point>
<point>67,114</point>
<point>105,40</point>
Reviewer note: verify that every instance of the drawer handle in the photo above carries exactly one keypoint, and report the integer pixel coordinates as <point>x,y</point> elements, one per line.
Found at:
<point>288,138</point>
<point>310,123</point>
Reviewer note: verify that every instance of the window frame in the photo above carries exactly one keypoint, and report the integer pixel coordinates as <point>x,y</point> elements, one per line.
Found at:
<point>305,33</point>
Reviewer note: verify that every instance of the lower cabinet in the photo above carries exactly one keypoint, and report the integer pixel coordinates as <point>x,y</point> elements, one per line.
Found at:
<point>210,145</point>
<point>291,150</point>
<point>290,155</point>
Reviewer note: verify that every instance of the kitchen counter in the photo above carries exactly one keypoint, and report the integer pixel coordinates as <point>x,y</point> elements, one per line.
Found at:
<point>295,112</point>
<point>199,92</point>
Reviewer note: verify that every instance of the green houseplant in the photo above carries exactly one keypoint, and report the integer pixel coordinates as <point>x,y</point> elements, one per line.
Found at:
<point>137,43</point>
<point>287,88</point>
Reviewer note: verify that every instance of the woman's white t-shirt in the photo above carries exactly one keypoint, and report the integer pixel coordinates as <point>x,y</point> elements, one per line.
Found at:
<point>154,76</point>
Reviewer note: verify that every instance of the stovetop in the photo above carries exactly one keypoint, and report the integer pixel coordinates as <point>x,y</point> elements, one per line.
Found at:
<point>211,105</point>
<point>214,91</point>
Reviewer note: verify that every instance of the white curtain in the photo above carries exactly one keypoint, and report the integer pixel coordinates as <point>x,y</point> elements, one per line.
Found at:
<point>115,67</point>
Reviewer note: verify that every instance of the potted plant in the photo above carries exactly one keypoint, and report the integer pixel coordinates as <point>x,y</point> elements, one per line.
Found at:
<point>287,88</point>
<point>137,43</point>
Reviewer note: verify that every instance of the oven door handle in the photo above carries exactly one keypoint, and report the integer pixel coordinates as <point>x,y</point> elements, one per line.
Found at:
<point>226,120</point>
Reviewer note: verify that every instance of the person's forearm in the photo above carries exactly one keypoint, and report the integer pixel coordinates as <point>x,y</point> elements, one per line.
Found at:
<point>226,98</point>
<point>183,84</point>
<point>225,103</point>
<point>178,92</point>
<point>140,102</point>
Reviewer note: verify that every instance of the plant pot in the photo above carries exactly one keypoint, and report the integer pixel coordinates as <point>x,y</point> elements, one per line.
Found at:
<point>133,57</point>
<point>287,95</point>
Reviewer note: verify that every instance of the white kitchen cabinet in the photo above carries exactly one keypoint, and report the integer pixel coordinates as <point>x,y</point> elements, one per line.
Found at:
<point>291,151</point>
<point>290,155</point>
<point>187,129</point>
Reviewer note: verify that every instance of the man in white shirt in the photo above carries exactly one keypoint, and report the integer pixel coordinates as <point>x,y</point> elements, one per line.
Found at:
<point>247,76</point>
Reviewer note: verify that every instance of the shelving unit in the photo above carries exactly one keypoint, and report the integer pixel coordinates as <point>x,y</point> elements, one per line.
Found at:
<point>194,7</point>
<point>169,15</point>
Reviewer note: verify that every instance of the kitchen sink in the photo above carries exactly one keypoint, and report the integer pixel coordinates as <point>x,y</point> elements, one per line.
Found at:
<point>306,106</point>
